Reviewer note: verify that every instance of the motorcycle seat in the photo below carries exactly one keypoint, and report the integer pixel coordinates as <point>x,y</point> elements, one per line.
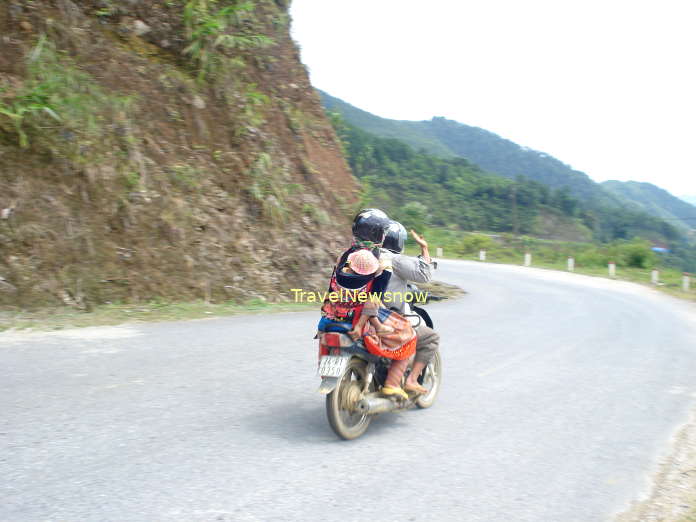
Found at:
<point>327,325</point>
<point>358,348</point>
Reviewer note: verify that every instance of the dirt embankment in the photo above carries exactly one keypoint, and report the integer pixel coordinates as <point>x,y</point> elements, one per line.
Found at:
<point>168,149</point>
<point>673,495</point>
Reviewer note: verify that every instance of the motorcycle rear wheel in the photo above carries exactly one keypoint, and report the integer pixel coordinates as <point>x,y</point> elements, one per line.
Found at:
<point>346,422</point>
<point>431,379</point>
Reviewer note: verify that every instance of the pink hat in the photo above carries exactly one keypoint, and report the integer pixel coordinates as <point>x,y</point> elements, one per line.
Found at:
<point>363,262</point>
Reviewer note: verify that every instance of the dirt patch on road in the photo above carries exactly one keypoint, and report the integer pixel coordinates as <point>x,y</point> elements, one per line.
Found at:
<point>673,497</point>
<point>440,290</point>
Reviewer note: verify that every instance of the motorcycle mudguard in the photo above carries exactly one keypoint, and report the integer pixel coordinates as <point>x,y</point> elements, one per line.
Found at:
<point>328,384</point>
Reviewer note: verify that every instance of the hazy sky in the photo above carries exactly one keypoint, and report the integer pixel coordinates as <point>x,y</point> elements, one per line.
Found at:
<point>608,87</point>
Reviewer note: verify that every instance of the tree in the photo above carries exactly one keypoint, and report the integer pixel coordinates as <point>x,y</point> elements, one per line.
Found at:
<point>413,215</point>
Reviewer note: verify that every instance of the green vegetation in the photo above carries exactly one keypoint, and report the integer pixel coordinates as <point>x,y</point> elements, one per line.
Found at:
<point>505,248</point>
<point>224,37</point>
<point>59,104</point>
<point>184,176</point>
<point>111,314</point>
<point>473,244</point>
<point>634,259</point>
<point>447,139</point>
<point>212,27</point>
<point>255,102</point>
<point>655,201</point>
<point>316,214</point>
<point>412,133</point>
<point>421,189</point>
<point>268,188</point>
<point>608,214</point>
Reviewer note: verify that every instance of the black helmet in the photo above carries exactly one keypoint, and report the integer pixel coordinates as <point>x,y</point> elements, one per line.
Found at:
<point>395,237</point>
<point>370,224</point>
<point>374,211</point>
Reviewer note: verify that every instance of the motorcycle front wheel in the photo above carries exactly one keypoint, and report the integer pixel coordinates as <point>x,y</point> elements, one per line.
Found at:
<point>431,379</point>
<point>341,404</point>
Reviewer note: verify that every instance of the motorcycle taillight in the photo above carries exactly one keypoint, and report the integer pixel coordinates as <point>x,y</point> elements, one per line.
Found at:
<point>323,350</point>
<point>332,339</point>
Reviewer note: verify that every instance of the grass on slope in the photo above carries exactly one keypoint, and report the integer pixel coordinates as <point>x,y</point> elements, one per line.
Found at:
<point>111,314</point>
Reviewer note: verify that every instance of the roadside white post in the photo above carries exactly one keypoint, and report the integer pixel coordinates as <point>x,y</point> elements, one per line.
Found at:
<point>482,255</point>
<point>527,259</point>
<point>571,264</point>
<point>685,281</point>
<point>612,269</point>
<point>654,276</point>
<point>438,252</point>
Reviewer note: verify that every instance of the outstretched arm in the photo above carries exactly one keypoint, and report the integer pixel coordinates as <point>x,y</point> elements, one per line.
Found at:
<point>425,254</point>
<point>414,269</point>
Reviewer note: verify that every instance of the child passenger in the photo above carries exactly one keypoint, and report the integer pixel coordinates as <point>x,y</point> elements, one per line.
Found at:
<point>358,276</point>
<point>364,263</point>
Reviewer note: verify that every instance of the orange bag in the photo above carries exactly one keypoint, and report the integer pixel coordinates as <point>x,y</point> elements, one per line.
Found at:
<point>399,345</point>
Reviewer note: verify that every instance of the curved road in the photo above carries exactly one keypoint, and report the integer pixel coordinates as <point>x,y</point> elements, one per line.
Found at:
<point>560,394</point>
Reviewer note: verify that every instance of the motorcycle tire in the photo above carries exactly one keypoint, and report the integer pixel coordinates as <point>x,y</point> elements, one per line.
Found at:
<point>431,378</point>
<point>346,424</point>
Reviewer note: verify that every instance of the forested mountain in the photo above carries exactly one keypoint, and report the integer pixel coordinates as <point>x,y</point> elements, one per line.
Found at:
<point>610,213</point>
<point>447,138</point>
<point>420,187</point>
<point>417,186</point>
<point>655,201</point>
<point>414,133</point>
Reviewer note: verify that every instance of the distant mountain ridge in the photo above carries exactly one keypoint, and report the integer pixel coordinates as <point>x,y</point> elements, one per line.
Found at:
<point>448,138</point>
<point>655,201</point>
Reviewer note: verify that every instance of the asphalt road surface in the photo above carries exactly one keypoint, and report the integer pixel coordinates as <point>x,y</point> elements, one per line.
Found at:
<point>560,394</point>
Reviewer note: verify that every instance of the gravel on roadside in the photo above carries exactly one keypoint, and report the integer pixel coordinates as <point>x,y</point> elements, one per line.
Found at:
<point>673,495</point>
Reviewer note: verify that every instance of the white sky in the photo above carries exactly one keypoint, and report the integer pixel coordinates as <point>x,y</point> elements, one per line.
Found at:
<point>608,87</point>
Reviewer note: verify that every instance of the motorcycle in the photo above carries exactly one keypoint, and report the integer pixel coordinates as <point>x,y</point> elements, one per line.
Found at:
<point>352,379</point>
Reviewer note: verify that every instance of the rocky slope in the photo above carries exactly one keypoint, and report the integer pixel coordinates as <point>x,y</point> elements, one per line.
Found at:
<point>161,149</point>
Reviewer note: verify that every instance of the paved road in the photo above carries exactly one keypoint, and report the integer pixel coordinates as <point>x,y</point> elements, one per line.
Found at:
<point>560,394</point>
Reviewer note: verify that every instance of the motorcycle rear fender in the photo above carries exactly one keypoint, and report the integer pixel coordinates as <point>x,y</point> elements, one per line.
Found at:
<point>328,384</point>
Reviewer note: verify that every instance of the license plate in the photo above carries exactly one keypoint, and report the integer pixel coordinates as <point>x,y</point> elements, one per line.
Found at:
<point>333,365</point>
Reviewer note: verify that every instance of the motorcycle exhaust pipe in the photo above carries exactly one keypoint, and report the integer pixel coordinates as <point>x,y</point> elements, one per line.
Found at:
<point>374,405</point>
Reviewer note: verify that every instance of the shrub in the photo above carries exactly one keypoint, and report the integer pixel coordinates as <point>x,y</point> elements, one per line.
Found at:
<point>210,30</point>
<point>413,215</point>
<point>59,102</point>
<point>636,253</point>
<point>592,257</point>
<point>474,243</point>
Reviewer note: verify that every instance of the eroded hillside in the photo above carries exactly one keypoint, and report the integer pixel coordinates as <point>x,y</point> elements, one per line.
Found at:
<point>161,149</point>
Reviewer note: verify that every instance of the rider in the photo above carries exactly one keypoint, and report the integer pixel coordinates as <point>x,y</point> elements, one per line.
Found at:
<point>418,270</point>
<point>369,230</point>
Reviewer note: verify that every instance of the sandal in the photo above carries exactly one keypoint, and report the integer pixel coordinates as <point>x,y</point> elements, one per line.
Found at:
<point>391,390</point>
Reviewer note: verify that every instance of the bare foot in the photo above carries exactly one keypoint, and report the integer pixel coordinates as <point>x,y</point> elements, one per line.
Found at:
<point>415,387</point>
<point>354,334</point>
<point>384,329</point>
